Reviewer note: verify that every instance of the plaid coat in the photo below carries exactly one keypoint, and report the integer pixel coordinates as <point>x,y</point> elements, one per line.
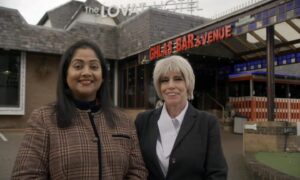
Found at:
<point>49,152</point>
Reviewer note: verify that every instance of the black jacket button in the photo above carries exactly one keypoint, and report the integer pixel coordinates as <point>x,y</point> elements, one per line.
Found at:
<point>173,160</point>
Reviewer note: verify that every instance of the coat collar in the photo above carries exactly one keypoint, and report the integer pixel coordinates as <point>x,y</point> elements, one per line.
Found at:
<point>187,124</point>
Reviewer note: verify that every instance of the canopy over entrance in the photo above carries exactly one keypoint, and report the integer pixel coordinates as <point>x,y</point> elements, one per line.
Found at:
<point>240,36</point>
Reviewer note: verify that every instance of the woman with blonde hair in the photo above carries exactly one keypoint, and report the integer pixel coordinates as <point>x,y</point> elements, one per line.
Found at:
<point>177,140</point>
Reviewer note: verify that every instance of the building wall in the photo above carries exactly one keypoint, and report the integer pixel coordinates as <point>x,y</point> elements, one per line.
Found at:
<point>41,77</point>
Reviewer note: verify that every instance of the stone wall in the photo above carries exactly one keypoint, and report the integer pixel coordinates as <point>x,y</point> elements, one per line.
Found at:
<point>271,137</point>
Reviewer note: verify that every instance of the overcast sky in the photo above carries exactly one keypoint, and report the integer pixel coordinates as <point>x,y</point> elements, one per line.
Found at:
<point>33,10</point>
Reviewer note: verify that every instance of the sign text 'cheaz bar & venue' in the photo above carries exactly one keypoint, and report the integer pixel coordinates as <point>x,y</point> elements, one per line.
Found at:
<point>189,41</point>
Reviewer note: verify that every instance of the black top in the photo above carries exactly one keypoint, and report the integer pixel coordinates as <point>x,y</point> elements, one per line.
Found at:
<point>87,105</point>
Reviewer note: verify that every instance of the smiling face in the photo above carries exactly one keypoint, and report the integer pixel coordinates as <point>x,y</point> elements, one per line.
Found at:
<point>173,89</point>
<point>84,76</point>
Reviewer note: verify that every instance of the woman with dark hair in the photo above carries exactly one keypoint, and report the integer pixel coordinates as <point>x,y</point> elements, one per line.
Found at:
<point>81,136</point>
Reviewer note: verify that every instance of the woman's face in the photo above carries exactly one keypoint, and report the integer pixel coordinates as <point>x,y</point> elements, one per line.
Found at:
<point>173,89</point>
<point>84,76</point>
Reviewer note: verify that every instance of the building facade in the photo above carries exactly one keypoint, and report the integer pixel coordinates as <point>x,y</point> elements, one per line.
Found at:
<point>30,54</point>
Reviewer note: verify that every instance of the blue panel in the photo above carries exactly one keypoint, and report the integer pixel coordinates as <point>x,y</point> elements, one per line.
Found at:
<point>289,6</point>
<point>244,67</point>
<point>297,3</point>
<point>239,30</point>
<point>275,61</point>
<point>281,17</point>
<point>297,12</point>
<point>298,57</point>
<point>252,26</point>
<point>290,58</point>
<point>272,12</point>
<point>264,14</point>
<point>264,63</point>
<point>259,64</point>
<point>281,9</point>
<point>281,60</point>
<point>258,16</point>
<point>250,65</point>
<point>265,22</point>
<point>293,58</point>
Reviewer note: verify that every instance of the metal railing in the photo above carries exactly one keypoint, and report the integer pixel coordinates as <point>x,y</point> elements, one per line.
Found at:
<point>235,8</point>
<point>219,104</point>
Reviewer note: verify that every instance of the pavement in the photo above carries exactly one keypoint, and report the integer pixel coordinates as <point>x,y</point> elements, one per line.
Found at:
<point>232,147</point>
<point>233,151</point>
<point>9,144</point>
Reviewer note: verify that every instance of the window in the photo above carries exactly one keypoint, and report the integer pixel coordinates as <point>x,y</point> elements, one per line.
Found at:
<point>12,82</point>
<point>281,90</point>
<point>294,91</point>
<point>239,89</point>
<point>135,85</point>
<point>260,88</point>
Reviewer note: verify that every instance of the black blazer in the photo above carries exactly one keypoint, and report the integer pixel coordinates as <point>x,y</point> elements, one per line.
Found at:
<point>197,152</point>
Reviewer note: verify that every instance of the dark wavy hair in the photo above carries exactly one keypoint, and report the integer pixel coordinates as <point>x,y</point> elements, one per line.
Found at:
<point>65,106</point>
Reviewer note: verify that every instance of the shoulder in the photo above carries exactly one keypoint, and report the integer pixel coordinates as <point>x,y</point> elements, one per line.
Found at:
<point>145,113</point>
<point>43,116</point>
<point>121,118</point>
<point>45,109</point>
<point>120,113</point>
<point>144,116</point>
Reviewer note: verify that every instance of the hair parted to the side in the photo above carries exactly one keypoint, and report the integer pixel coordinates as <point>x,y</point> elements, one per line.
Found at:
<point>174,63</point>
<point>65,107</point>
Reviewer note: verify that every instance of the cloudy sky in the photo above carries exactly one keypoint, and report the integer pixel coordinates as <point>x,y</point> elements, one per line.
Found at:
<point>33,10</point>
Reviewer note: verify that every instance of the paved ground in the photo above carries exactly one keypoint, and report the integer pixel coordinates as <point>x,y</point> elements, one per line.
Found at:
<point>8,151</point>
<point>232,144</point>
<point>233,150</point>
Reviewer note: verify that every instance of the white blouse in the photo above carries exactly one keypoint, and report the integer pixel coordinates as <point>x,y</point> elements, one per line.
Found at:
<point>168,131</point>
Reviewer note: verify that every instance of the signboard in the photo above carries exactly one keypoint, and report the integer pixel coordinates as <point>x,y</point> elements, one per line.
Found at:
<point>130,9</point>
<point>189,41</point>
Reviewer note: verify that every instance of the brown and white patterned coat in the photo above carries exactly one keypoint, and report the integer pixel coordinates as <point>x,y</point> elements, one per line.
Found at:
<point>49,152</point>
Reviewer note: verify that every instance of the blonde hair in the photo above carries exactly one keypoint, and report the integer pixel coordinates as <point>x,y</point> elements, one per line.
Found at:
<point>174,63</point>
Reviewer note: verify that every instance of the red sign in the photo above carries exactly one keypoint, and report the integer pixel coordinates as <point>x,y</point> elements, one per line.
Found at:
<point>189,41</point>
